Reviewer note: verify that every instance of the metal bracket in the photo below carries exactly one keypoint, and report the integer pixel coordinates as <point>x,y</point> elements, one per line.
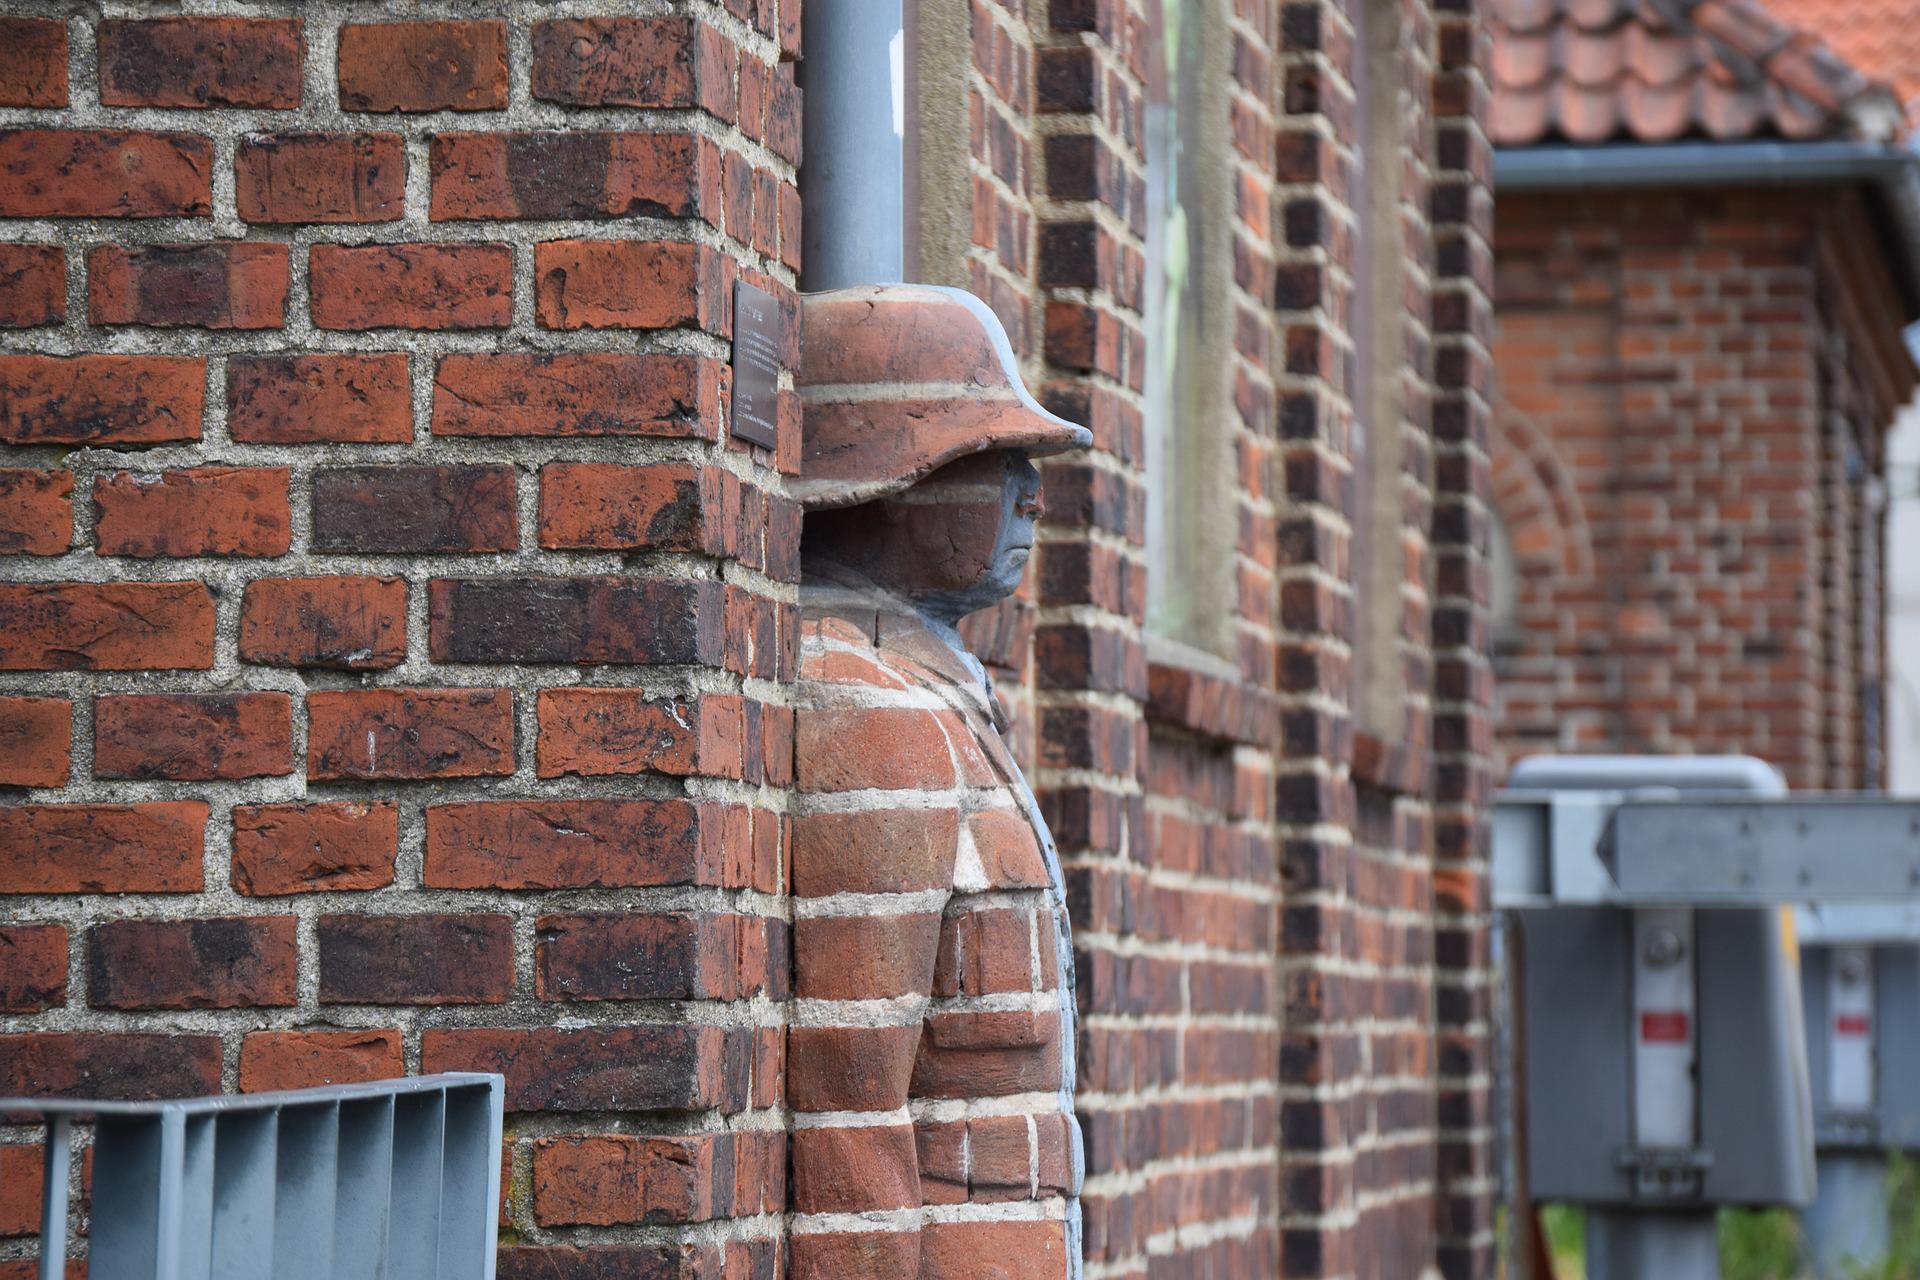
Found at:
<point>1666,1173</point>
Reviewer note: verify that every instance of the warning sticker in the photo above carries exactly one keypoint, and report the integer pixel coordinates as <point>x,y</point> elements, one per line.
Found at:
<point>1663,1026</point>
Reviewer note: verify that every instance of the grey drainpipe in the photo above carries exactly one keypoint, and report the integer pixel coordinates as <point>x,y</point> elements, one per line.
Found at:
<point>1893,172</point>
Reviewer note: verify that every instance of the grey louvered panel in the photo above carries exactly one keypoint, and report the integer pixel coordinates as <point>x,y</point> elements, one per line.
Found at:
<point>387,1181</point>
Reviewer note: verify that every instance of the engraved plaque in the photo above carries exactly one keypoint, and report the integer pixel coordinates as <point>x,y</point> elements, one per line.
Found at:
<point>759,337</point>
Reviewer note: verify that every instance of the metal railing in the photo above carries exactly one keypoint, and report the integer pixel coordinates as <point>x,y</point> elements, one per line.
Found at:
<point>396,1179</point>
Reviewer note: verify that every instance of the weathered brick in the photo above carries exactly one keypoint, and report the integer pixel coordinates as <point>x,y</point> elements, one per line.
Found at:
<point>36,511</point>
<point>416,510</point>
<point>200,62</point>
<point>411,286</point>
<point>320,177</point>
<point>208,511</point>
<point>874,851</point>
<point>612,1179</point>
<point>601,732</point>
<point>423,66</point>
<point>593,506</point>
<point>108,848</point>
<point>104,173</point>
<point>633,62</point>
<point>629,284</point>
<point>33,969</point>
<point>588,621</point>
<point>567,844</point>
<point>221,285</point>
<point>192,736</point>
<point>319,398</point>
<point>849,1068</point>
<point>577,394</point>
<point>630,956</point>
<point>36,735</point>
<point>565,174</point>
<point>415,959</point>
<point>22,1183</point>
<point>274,1060</point>
<point>353,624</point>
<point>33,62</point>
<point>651,1067</point>
<point>889,748</point>
<point>822,1254</point>
<point>33,282</point>
<point>101,400</point>
<point>105,626</point>
<point>324,845</point>
<point>409,733</point>
<point>228,963</point>
<point>135,1067</point>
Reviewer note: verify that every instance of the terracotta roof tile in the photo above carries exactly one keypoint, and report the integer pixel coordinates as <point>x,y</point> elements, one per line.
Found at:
<point>1880,38</point>
<point>1593,71</point>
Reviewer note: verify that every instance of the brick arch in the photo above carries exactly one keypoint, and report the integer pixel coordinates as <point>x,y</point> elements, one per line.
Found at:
<point>1535,495</point>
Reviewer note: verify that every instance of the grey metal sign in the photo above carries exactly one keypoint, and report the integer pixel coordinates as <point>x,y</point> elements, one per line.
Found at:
<point>759,338</point>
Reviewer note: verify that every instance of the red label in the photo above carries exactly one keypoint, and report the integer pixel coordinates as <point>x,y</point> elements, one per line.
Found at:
<point>1851,1024</point>
<point>1663,1026</point>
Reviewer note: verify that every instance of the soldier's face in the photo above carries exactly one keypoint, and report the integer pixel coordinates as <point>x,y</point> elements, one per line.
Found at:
<point>968,531</point>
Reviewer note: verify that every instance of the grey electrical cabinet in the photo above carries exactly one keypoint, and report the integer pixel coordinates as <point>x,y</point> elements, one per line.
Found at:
<point>1862,1003</point>
<point>1744,1138</point>
<point>1664,1053</point>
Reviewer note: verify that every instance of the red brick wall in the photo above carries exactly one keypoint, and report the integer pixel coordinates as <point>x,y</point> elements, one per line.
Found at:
<point>392,640</point>
<point>1694,391</point>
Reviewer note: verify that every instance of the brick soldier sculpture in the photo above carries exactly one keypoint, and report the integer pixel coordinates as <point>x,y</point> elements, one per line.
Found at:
<point>931,1067</point>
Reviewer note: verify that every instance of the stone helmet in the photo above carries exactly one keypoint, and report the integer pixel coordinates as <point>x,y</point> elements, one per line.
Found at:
<point>897,380</point>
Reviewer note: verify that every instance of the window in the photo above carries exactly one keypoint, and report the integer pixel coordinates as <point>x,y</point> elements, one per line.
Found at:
<point>1188,316</point>
<point>1379,399</point>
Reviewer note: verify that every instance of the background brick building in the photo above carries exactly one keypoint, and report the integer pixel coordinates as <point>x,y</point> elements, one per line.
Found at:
<point>1698,372</point>
<point>395,641</point>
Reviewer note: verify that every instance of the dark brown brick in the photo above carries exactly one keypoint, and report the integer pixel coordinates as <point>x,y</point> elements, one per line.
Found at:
<point>33,282</point>
<point>104,173</point>
<point>200,62</point>
<point>33,62</point>
<point>33,965</point>
<point>312,847</point>
<point>415,510</point>
<point>36,511</point>
<point>151,737</point>
<point>105,848</point>
<point>423,66</point>
<point>423,959</point>
<point>628,956</point>
<point>101,400</point>
<point>319,398</point>
<point>354,624</point>
<point>207,511</point>
<point>321,177</point>
<point>136,1068</point>
<point>575,620</point>
<point>409,733</point>
<point>633,1068</point>
<point>227,963</point>
<point>566,175</point>
<point>577,394</point>
<point>105,626</point>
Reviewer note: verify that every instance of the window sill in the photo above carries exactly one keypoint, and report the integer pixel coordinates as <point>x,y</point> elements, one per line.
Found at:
<point>1193,690</point>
